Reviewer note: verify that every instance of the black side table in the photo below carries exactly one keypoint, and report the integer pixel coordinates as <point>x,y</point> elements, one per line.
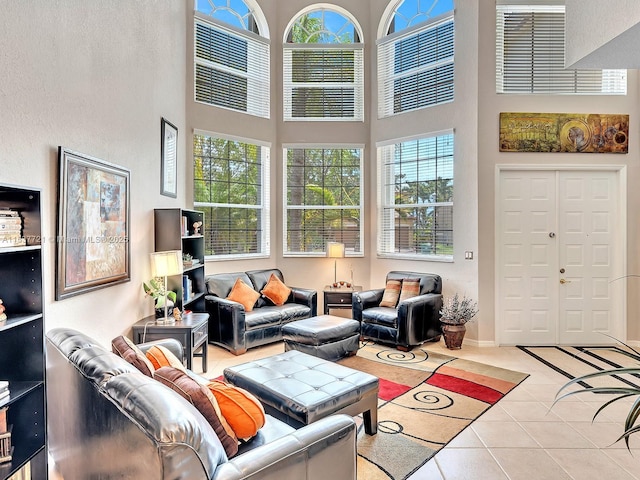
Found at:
<point>338,297</point>
<point>192,332</point>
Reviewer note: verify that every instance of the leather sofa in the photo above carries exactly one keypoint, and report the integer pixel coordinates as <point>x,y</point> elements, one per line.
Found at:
<point>107,420</point>
<point>235,329</point>
<point>414,321</point>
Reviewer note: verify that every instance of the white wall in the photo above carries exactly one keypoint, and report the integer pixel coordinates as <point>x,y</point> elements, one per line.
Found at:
<point>95,77</point>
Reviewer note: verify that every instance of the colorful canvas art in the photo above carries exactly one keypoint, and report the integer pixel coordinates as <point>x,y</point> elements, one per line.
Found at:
<point>564,132</point>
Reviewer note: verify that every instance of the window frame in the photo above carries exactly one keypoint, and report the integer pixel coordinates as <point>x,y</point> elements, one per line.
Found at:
<point>386,201</point>
<point>264,208</point>
<point>286,207</point>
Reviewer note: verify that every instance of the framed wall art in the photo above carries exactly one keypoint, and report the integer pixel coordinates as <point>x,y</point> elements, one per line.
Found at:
<point>169,159</point>
<point>564,132</point>
<point>92,246</point>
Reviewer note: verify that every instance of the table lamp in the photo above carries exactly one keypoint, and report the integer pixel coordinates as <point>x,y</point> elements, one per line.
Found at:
<point>335,250</point>
<point>165,264</point>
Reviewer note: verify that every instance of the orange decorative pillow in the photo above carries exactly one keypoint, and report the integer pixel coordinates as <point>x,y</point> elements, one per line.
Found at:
<point>125,348</point>
<point>160,356</point>
<point>410,288</point>
<point>243,411</point>
<point>391,293</point>
<point>276,291</point>
<point>244,294</point>
<point>201,398</point>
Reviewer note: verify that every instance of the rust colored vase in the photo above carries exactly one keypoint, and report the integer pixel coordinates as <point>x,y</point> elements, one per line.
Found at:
<point>453,335</point>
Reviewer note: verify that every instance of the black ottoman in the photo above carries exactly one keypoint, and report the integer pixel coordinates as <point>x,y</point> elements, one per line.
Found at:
<point>325,336</point>
<point>299,389</point>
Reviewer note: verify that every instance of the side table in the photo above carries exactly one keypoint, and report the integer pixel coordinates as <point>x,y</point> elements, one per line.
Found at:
<point>338,297</point>
<point>192,332</point>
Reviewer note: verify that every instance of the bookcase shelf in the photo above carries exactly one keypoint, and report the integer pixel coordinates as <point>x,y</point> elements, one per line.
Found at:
<point>173,230</point>
<point>22,360</point>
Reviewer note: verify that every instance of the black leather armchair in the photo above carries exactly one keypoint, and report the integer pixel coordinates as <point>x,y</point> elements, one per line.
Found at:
<point>231,327</point>
<point>414,321</point>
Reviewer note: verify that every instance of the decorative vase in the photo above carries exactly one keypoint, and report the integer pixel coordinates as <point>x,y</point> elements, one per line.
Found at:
<point>453,335</point>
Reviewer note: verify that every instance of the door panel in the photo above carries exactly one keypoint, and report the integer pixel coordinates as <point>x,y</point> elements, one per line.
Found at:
<point>556,252</point>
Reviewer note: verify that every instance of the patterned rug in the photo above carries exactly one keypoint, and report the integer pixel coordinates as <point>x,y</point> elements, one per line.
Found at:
<point>425,400</point>
<point>573,362</point>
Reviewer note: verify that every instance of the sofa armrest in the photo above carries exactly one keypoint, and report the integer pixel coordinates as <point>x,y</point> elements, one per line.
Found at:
<point>323,449</point>
<point>226,323</point>
<point>366,299</point>
<point>419,318</point>
<point>171,344</point>
<point>306,296</point>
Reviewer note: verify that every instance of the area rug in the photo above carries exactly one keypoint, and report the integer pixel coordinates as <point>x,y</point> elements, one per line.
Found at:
<point>425,400</point>
<point>573,362</point>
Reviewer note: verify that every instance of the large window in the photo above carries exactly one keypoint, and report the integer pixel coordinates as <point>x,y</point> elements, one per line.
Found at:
<point>416,56</point>
<point>323,68</point>
<point>416,198</point>
<point>231,187</point>
<point>231,57</point>
<point>323,199</point>
<point>530,55</point>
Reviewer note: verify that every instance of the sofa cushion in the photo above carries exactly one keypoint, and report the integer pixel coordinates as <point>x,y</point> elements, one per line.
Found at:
<point>276,291</point>
<point>201,398</point>
<point>244,294</point>
<point>125,348</point>
<point>381,315</point>
<point>243,411</point>
<point>410,288</point>
<point>221,284</point>
<point>391,293</point>
<point>160,356</point>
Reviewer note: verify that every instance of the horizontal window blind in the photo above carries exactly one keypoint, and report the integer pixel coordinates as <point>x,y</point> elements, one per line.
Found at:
<point>231,186</point>
<point>530,55</point>
<point>231,69</point>
<point>415,68</point>
<point>324,82</point>
<point>415,198</point>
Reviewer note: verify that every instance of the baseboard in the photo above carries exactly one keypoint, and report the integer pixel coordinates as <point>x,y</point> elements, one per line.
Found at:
<point>479,343</point>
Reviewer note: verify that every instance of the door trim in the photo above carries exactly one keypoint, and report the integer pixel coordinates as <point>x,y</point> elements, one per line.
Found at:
<point>620,170</point>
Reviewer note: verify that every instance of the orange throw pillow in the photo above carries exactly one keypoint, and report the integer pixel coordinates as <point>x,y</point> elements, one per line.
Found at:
<point>391,293</point>
<point>242,411</point>
<point>244,294</point>
<point>276,291</point>
<point>410,288</point>
<point>160,356</point>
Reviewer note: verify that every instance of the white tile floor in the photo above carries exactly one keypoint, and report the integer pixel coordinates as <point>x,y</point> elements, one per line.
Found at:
<point>519,438</point>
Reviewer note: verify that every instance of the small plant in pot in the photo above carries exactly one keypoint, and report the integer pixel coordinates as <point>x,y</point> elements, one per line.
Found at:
<point>455,313</point>
<point>155,289</point>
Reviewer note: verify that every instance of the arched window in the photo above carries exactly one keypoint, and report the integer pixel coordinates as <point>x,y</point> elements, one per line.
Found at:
<point>232,56</point>
<point>323,66</point>
<point>415,55</point>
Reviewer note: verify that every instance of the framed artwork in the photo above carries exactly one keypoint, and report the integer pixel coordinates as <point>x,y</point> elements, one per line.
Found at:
<point>564,132</point>
<point>92,247</point>
<point>169,156</point>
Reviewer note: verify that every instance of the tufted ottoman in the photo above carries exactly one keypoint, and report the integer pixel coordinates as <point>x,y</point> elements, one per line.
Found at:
<point>299,389</point>
<point>324,336</point>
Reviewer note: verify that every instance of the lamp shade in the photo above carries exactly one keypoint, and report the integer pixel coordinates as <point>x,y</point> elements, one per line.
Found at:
<point>164,264</point>
<point>335,250</point>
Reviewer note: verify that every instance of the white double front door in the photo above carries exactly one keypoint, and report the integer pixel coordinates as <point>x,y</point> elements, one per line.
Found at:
<point>559,252</point>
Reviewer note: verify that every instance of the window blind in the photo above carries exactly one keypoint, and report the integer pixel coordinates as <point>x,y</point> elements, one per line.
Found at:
<point>323,82</point>
<point>530,55</point>
<point>415,197</point>
<point>415,68</point>
<point>231,69</point>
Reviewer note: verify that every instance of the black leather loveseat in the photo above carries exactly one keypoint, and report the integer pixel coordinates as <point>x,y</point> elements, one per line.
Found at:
<point>107,420</point>
<point>235,329</point>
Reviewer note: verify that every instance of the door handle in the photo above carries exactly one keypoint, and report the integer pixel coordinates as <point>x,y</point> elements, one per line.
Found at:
<point>563,281</point>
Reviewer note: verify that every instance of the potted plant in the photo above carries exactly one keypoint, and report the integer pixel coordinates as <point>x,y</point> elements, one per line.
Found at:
<point>155,289</point>
<point>455,313</point>
<point>613,394</point>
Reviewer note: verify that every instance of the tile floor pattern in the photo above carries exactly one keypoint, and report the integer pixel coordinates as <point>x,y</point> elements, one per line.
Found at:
<point>519,438</point>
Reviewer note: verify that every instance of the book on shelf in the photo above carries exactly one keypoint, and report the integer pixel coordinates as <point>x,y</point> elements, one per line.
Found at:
<point>4,394</point>
<point>9,221</point>
<point>7,212</point>
<point>12,241</point>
